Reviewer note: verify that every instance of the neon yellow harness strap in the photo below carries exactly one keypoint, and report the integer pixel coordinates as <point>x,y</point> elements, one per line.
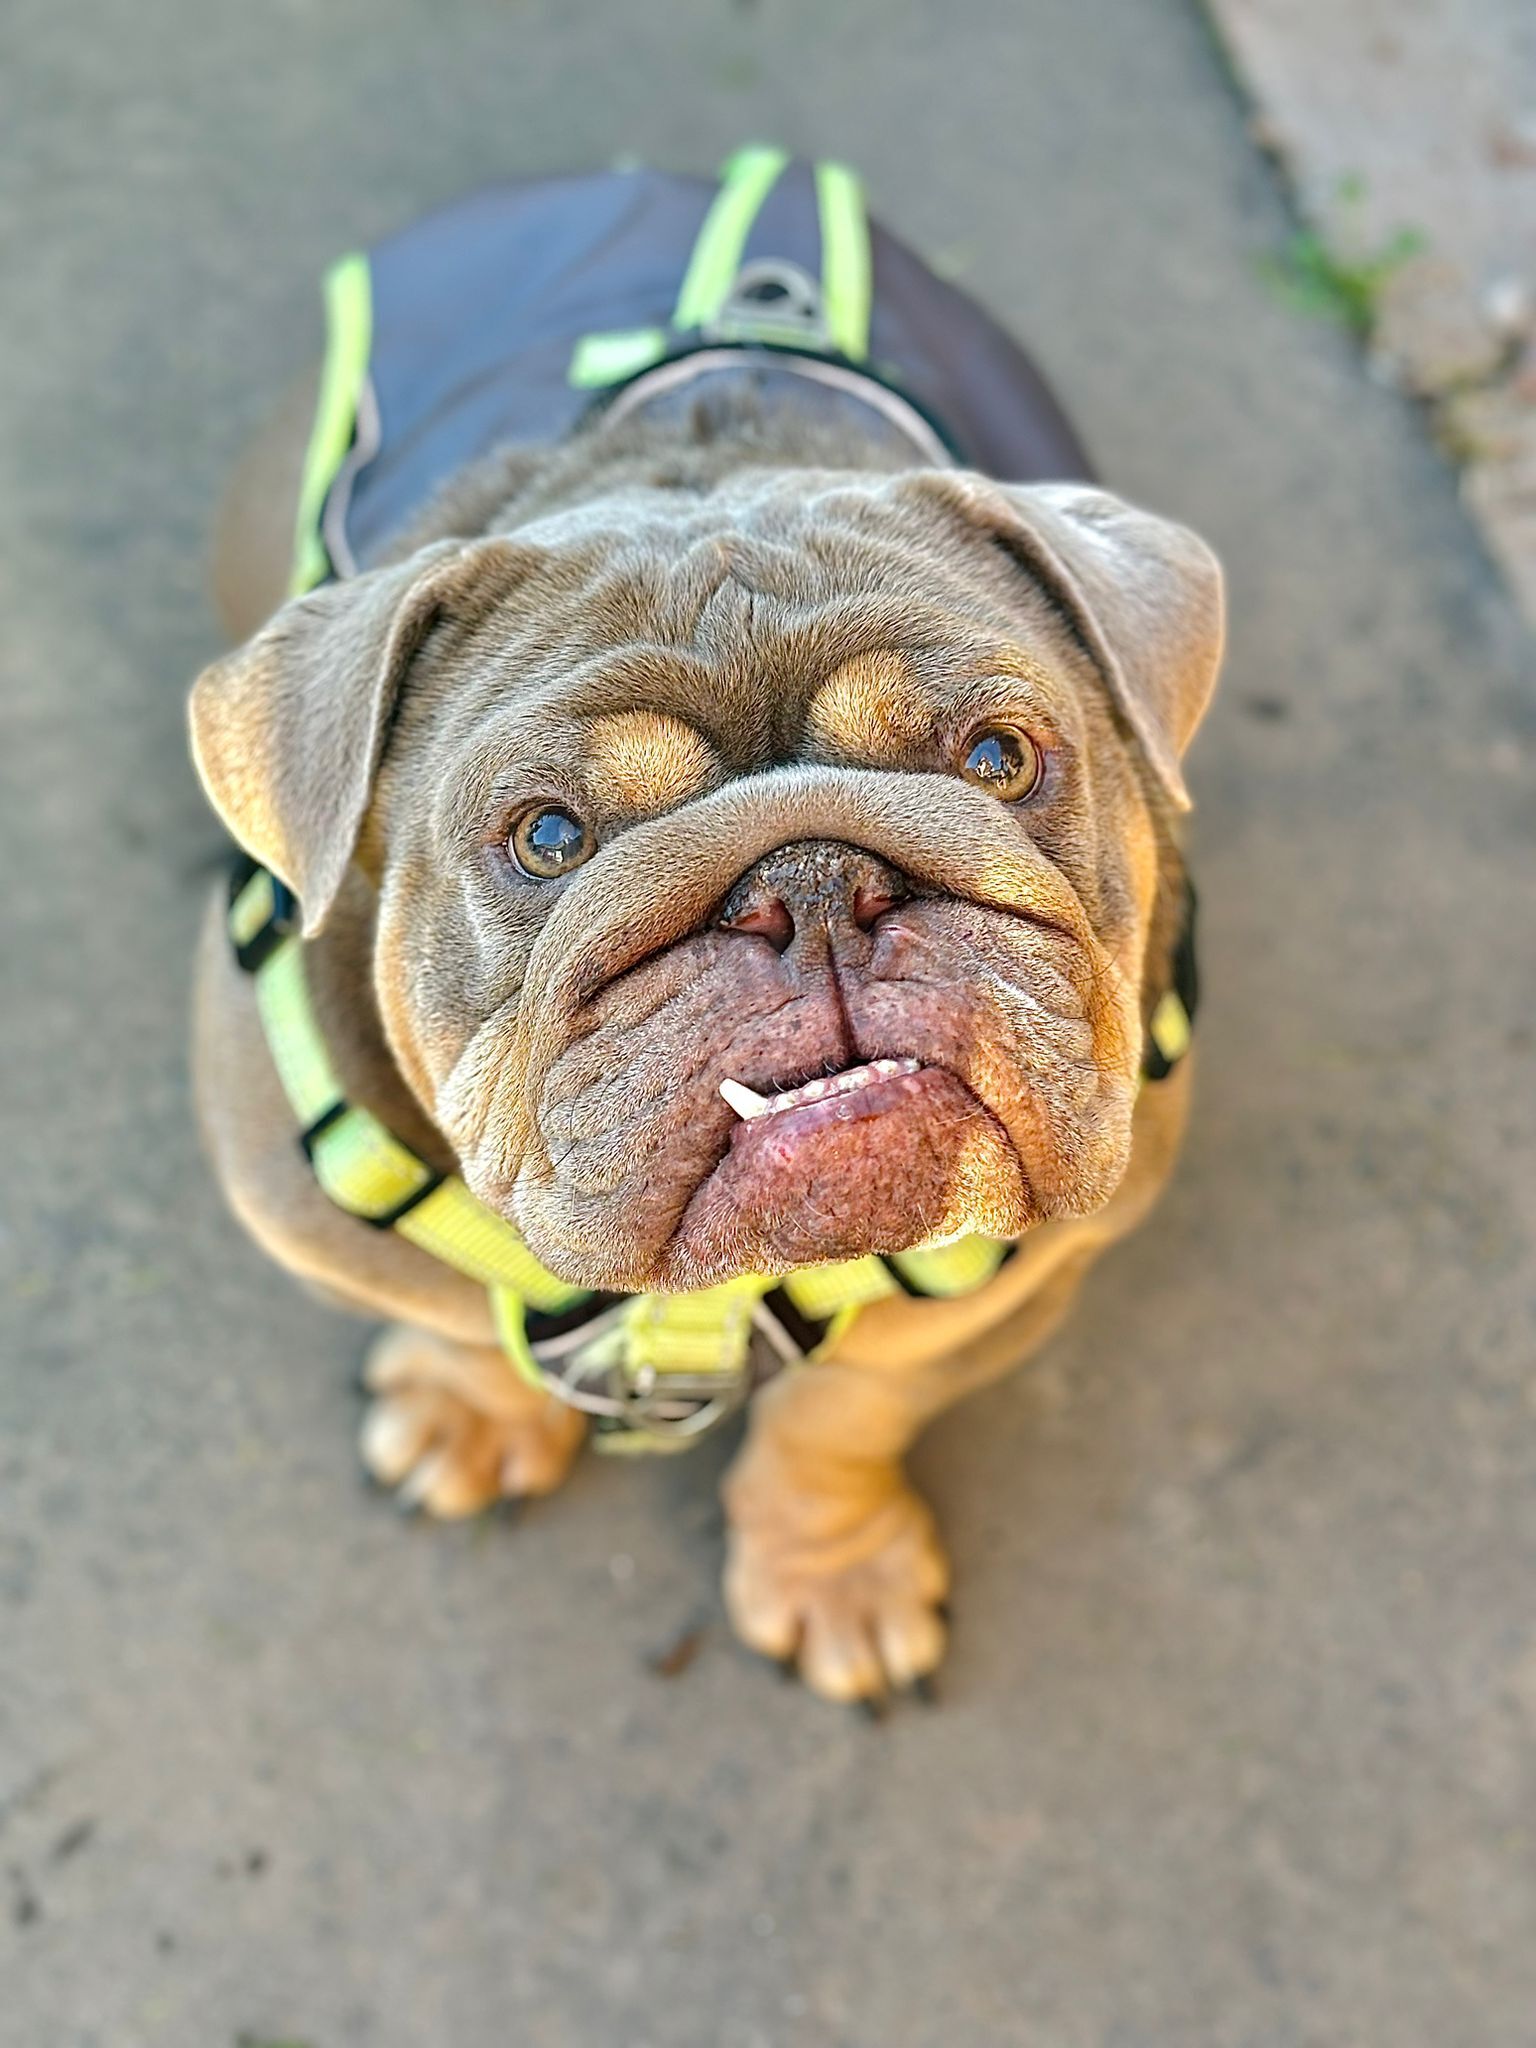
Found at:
<point>946,1270</point>
<point>686,1334</point>
<point>745,183</point>
<point>691,1348</point>
<point>357,1160</point>
<point>349,335</point>
<point>846,277</point>
<point>1170,1029</point>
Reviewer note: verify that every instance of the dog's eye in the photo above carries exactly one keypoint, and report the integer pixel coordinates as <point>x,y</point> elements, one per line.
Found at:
<point>550,842</point>
<point>1002,761</point>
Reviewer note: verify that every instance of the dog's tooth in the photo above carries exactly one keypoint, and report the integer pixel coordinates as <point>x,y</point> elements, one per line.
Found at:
<point>746,1101</point>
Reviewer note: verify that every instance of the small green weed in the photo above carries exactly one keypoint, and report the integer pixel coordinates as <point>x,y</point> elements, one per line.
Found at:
<point>1315,277</point>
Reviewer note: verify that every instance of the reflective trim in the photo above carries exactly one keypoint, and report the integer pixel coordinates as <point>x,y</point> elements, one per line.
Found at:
<point>846,288</point>
<point>599,360</point>
<point>822,1292</point>
<point>1169,1030</point>
<point>746,181</point>
<point>367,438</point>
<point>359,1163</point>
<point>349,336</point>
<point>303,1064</point>
<point>947,1270</point>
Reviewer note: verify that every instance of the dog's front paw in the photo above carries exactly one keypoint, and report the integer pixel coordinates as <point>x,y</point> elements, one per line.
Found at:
<point>453,1429</point>
<point>856,1605</point>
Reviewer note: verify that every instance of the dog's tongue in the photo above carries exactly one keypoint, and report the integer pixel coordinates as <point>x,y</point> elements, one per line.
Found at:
<point>862,1161</point>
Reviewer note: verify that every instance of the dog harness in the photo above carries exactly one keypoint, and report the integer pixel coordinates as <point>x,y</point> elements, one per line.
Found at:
<point>504,319</point>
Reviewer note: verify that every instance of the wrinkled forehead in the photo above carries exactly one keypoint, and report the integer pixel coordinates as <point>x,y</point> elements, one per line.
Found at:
<point>779,611</point>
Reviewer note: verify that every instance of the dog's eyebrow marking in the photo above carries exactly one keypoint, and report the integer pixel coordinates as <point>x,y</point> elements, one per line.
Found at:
<point>646,761</point>
<point>868,703</point>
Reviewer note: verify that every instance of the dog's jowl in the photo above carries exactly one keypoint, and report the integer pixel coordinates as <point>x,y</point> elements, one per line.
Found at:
<point>709,922</point>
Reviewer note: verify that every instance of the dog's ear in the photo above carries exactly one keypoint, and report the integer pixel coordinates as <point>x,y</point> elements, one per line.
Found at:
<point>1143,595</point>
<point>288,731</point>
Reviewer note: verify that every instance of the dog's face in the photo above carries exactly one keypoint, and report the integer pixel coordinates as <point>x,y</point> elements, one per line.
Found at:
<point>815,775</point>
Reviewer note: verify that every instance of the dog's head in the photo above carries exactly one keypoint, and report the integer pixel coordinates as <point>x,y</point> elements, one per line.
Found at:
<point>813,775</point>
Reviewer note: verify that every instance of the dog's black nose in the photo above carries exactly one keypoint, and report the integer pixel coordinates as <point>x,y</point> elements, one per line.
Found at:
<point>812,886</point>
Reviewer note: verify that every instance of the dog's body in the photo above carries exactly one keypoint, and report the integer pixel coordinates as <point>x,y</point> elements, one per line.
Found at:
<point>738,627</point>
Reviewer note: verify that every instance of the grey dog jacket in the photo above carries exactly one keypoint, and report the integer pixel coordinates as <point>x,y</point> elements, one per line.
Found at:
<point>508,316</point>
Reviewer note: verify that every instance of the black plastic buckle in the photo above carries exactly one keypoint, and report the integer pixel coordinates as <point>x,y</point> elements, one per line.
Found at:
<point>281,924</point>
<point>387,1218</point>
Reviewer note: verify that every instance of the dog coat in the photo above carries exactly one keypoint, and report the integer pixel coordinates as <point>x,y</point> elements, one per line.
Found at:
<point>507,318</point>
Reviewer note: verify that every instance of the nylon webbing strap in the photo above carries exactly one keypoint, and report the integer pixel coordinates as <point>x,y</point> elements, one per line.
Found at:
<point>822,1292</point>
<point>688,1351</point>
<point>846,276</point>
<point>656,1369</point>
<point>945,1270</point>
<point>361,1165</point>
<point>601,360</point>
<point>348,339</point>
<point>685,1334</point>
<point>745,183</point>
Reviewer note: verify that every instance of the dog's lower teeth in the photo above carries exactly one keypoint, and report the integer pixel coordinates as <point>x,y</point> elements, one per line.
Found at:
<point>748,1104</point>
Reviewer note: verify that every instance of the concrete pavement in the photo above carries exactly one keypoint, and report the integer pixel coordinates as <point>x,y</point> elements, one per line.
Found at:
<point>1237,1740</point>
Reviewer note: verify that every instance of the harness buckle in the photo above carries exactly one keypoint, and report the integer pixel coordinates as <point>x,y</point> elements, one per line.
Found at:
<point>590,1372</point>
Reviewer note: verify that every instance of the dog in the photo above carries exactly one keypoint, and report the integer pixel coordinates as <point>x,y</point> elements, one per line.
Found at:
<point>712,921</point>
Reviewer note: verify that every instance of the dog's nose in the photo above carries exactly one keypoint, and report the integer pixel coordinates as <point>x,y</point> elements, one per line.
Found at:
<point>812,885</point>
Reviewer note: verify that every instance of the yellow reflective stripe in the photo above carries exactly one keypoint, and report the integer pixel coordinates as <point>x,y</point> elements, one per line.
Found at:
<point>950,1269</point>
<point>298,1051</point>
<point>1170,1028</point>
<point>635,1440</point>
<point>824,1291</point>
<point>456,1227</point>
<point>348,338</point>
<point>845,260</point>
<point>704,1332</point>
<point>360,1164</point>
<point>364,1167</point>
<point>745,183</point>
<point>252,908</point>
<point>602,359</point>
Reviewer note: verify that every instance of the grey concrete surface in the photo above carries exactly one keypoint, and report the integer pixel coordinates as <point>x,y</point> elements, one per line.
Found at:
<point>1385,119</point>
<point>1236,1743</point>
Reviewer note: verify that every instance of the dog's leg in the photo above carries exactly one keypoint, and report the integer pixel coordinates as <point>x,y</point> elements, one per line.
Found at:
<point>834,1560</point>
<point>453,1428</point>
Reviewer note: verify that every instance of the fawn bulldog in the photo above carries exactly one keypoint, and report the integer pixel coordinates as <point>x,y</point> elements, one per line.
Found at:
<point>711,921</point>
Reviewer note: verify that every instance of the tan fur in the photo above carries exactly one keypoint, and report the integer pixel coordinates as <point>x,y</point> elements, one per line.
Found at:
<point>723,650</point>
